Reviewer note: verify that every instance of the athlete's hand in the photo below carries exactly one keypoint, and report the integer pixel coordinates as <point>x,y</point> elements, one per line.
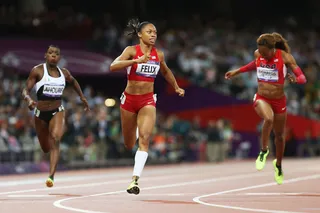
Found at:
<point>145,58</point>
<point>85,103</point>
<point>31,104</point>
<point>230,74</point>
<point>180,92</point>
<point>292,78</point>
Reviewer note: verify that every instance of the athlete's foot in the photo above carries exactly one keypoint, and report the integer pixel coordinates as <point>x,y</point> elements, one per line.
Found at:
<point>278,173</point>
<point>133,188</point>
<point>49,182</point>
<point>261,160</point>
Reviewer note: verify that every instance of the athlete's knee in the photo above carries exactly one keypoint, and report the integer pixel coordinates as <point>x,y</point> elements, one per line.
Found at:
<point>45,144</point>
<point>279,137</point>
<point>144,137</point>
<point>56,137</point>
<point>129,146</point>
<point>268,120</point>
<point>46,149</point>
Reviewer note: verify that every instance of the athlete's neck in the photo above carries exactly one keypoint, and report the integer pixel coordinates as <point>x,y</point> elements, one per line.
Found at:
<point>51,67</point>
<point>145,48</point>
<point>273,55</point>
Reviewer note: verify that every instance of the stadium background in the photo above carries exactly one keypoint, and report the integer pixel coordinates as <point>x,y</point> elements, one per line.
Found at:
<point>201,41</point>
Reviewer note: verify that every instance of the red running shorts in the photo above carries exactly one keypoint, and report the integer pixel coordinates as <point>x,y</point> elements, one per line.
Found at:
<point>278,105</point>
<point>133,103</point>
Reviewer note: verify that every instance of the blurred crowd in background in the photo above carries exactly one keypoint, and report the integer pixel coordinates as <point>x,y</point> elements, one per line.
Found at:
<point>201,51</point>
<point>96,135</point>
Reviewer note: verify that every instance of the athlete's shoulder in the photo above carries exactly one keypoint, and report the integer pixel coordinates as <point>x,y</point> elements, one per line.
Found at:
<point>132,47</point>
<point>283,54</point>
<point>131,50</point>
<point>63,69</point>
<point>38,69</point>
<point>158,50</point>
<point>160,53</point>
<point>65,72</point>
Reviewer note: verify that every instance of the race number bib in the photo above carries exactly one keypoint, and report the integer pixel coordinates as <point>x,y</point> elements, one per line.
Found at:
<point>53,90</point>
<point>148,70</point>
<point>267,74</point>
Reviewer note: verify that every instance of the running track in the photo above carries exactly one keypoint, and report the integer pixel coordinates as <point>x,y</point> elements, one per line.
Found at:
<point>224,188</point>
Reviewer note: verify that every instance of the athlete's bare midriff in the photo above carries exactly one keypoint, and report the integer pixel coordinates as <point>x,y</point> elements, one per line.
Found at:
<point>271,91</point>
<point>48,105</point>
<point>139,87</point>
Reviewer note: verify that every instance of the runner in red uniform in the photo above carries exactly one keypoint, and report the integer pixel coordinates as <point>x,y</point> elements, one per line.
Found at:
<point>271,61</point>
<point>143,62</point>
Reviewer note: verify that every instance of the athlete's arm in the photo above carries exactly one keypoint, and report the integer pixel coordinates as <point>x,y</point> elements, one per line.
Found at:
<point>76,86</point>
<point>31,81</point>
<point>168,75</point>
<point>292,64</point>
<point>124,60</point>
<point>250,66</point>
<point>246,68</point>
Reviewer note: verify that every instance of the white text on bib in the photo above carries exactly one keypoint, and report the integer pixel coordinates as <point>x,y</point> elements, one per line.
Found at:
<point>53,90</point>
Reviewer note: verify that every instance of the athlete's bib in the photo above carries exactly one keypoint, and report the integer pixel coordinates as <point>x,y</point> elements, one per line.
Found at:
<point>267,74</point>
<point>149,69</point>
<point>53,90</point>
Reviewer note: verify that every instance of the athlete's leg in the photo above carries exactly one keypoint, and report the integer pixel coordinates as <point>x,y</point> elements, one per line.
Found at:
<point>279,125</point>
<point>129,131</point>
<point>42,130</point>
<point>56,130</point>
<point>264,110</point>
<point>146,121</point>
<point>129,128</point>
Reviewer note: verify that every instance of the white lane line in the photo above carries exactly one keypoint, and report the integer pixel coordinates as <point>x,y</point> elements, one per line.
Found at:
<point>281,194</point>
<point>166,194</point>
<point>29,196</point>
<point>293,180</point>
<point>59,204</point>
<point>272,193</point>
<point>312,209</point>
<point>88,184</point>
<point>81,177</point>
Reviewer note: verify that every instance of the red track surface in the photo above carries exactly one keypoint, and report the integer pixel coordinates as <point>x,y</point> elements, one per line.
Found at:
<point>224,188</point>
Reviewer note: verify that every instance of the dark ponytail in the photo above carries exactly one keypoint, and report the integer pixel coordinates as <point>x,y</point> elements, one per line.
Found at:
<point>134,27</point>
<point>281,43</point>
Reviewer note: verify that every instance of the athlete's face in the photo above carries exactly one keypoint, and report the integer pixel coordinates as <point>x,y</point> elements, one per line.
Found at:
<point>52,55</point>
<point>148,34</point>
<point>266,52</point>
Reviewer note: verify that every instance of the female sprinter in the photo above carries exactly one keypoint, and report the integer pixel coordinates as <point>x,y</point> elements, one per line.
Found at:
<point>271,61</point>
<point>138,103</point>
<point>50,82</point>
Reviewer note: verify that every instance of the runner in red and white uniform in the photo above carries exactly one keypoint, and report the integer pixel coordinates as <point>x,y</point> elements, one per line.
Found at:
<point>272,58</point>
<point>143,62</point>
